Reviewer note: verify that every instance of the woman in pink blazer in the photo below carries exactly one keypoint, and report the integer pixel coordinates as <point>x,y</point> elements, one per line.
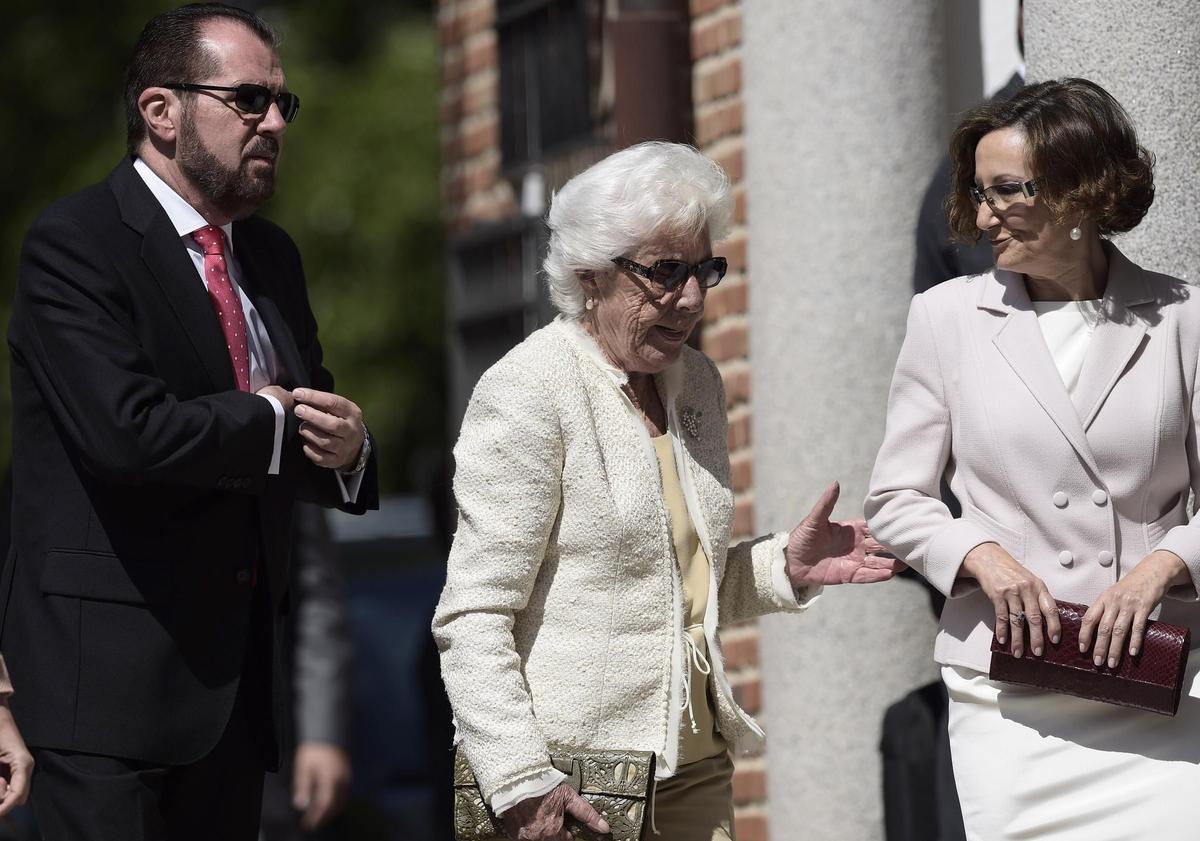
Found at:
<point>1057,396</point>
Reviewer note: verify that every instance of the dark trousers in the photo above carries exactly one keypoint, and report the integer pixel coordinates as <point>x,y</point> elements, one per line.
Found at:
<point>85,797</point>
<point>88,797</point>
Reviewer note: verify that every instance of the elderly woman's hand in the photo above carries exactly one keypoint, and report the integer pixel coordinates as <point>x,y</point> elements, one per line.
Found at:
<point>542,818</point>
<point>1123,609</point>
<point>821,551</point>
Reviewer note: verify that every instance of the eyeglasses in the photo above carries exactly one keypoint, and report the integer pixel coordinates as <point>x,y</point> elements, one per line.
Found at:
<point>666,276</point>
<point>249,98</point>
<point>1000,197</point>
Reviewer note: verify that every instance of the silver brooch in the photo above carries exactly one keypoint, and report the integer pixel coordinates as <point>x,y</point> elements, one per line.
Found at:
<point>691,421</point>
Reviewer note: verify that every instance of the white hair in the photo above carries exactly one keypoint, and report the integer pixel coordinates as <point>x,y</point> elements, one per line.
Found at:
<point>648,192</point>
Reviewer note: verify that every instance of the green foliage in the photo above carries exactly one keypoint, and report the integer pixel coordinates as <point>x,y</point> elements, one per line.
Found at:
<point>358,184</point>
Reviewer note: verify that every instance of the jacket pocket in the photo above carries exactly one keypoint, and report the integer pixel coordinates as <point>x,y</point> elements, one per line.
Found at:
<point>1010,539</point>
<point>1157,529</point>
<point>103,576</point>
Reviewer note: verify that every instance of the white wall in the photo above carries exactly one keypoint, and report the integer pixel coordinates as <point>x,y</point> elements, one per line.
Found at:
<point>845,107</point>
<point>999,53</point>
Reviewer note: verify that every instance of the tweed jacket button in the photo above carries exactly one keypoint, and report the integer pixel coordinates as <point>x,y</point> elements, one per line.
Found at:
<point>1060,499</point>
<point>1065,558</point>
<point>1105,558</point>
<point>1099,497</point>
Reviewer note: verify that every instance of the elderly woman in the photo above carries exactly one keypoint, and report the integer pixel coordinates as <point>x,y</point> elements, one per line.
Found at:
<point>1057,394</point>
<point>592,564</point>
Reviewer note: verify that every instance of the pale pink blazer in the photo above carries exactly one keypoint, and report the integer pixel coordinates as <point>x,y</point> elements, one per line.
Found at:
<point>1078,488</point>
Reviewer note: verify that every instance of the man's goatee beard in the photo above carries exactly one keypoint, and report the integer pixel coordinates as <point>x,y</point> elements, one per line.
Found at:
<point>236,191</point>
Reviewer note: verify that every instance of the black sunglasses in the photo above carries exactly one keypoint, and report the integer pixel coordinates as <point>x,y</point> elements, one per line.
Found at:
<point>249,98</point>
<point>669,275</point>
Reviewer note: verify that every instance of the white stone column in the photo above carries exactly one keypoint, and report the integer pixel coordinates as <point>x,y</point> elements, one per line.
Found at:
<point>845,118</point>
<point>1146,53</point>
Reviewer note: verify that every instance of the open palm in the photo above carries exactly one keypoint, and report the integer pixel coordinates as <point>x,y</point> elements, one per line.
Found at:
<point>822,551</point>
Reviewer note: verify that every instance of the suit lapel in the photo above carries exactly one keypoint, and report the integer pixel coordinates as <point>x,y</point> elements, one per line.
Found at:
<point>1117,337</point>
<point>292,373</point>
<point>168,261</point>
<point>1019,340</point>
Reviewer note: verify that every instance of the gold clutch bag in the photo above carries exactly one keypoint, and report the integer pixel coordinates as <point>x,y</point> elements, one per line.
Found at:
<point>617,783</point>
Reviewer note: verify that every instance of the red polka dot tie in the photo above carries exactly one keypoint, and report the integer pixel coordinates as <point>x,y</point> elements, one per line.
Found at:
<point>225,301</point>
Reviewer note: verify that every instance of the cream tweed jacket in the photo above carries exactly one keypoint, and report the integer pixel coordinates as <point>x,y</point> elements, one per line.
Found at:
<point>561,618</point>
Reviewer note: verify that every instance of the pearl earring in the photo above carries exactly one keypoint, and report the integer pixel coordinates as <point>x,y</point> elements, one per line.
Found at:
<point>1077,232</point>
<point>590,303</point>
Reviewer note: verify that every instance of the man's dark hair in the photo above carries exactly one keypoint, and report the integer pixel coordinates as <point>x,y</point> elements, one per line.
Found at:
<point>169,50</point>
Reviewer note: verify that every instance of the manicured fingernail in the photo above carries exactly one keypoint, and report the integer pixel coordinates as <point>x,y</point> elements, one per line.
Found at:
<point>1133,651</point>
<point>1112,662</point>
<point>1017,654</point>
<point>1054,638</point>
<point>1082,648</point>
<point>1099,661</point>
<point>1037,651</point>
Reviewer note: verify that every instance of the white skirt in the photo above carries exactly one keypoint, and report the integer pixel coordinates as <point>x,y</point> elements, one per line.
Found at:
<point>1031,764</point>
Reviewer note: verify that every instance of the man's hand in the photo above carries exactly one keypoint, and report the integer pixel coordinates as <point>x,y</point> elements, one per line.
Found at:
<point>281,394</point>
<point>319,783</point>
<point>332,428</point>
<point>820,551</point>
<point>16,765</point>
<point>542,818</point>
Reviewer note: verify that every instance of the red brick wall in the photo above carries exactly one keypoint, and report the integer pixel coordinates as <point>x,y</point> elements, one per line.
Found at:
<point>471,185</point>
<point>716,93</point>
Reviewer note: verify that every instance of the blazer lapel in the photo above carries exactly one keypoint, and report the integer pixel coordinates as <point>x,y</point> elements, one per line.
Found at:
<point>292,372</point>
<point>1117,337</point>
<point>172,268</point>
<point>1019,340</point>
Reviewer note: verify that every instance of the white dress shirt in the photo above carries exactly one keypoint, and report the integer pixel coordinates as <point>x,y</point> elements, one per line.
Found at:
<point>264,364</point>
<point>1067,327</point>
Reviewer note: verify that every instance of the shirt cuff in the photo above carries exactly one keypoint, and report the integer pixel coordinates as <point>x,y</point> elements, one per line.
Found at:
<point>348,484</point>
<point>794,598</point>
<point>6,687</point>
<point>537,785</point>
<point>280,422</point>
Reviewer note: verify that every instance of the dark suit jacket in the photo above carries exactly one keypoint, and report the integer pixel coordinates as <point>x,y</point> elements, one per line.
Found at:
<point>143,511</point>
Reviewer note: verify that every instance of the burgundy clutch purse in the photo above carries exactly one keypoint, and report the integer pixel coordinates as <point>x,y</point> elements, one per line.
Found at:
<point>1153,680</point>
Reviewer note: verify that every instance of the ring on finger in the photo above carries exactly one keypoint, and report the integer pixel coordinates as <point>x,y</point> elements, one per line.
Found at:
<point>1017,618</point>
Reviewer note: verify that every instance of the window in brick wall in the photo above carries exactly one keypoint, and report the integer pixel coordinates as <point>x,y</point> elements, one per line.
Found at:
<point>495,299</point>
<point>544,78</point>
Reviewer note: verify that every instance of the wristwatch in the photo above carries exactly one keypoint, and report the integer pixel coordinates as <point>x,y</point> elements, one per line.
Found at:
<point>364,455</point>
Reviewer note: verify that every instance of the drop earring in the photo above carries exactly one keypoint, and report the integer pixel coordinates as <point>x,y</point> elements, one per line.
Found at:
<point>1077,232</point>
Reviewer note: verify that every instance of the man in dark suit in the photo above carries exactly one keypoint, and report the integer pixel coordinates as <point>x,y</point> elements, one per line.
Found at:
<point>169,405</point>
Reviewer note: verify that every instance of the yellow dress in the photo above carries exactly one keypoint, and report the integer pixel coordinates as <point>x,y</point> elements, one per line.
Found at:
<point>700,738</point>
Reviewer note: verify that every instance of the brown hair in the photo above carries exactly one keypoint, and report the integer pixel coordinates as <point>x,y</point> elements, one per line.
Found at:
<point>1082,148</point>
